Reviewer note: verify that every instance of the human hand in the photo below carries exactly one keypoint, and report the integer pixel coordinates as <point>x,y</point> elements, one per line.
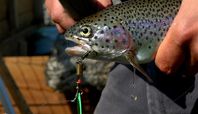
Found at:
<point>61,17</point>
<point>180,46</point>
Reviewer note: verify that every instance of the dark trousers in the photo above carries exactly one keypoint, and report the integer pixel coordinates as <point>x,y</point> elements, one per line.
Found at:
<point>167,95</point>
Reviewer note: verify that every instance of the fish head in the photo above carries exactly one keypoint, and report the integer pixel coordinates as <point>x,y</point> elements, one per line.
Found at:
<point>102,40</point>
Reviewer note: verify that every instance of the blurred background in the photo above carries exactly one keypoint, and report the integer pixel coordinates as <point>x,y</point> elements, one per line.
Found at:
<point>35,68</point>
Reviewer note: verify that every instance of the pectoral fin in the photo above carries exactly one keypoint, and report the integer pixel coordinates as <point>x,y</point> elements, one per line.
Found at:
<point>134,63</point>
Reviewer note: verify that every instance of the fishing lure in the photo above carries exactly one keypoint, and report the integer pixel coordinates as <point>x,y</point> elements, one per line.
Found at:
<point>79,74</point>
<point>79,92</point>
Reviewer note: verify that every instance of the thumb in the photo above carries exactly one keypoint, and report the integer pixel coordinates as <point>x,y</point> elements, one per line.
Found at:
<point>170,54</point>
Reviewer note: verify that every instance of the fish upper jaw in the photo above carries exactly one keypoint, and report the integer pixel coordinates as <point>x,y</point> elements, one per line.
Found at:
<point>76,39</point>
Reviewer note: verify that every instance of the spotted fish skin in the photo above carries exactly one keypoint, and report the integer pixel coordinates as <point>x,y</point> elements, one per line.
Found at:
<point>135,26</point>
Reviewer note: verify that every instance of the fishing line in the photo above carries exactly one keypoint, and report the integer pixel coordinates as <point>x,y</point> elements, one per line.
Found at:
<point>134,97</point>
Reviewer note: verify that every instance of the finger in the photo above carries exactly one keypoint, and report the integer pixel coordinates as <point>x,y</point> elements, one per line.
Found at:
<point>193,61</point>
<point>105,3</point>
<point>60,29</point>
<point>58,14</point>
<point>63,19</point>
<point>170,54</point>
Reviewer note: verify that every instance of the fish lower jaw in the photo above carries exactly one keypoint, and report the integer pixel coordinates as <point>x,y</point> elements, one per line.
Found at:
<point>78,50</point>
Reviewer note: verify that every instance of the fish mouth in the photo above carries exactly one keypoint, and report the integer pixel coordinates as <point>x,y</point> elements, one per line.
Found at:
<point>76,51</point>
<point>79,49</point>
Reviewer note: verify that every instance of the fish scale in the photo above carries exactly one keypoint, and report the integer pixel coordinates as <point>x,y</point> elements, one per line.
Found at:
<point>127,32</point>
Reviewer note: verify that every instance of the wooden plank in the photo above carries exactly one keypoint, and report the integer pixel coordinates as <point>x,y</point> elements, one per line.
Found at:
<point>28,95</point>
<point>16,73</point>
<point>58,109</point>
<point>10,60</point>
<point>22,60</point>
<point>35,110</point>
<point>45,109</point>
<point>41,77</point>
<point>13,89</point>
<point>41,100</point>
<point>1,110</point>
<point>39,59</point>
<point>29,76</point>
<point>17,110</point>
<point>39,97</point>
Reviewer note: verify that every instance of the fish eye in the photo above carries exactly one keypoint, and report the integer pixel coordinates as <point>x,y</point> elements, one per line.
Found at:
<point>85,31</point>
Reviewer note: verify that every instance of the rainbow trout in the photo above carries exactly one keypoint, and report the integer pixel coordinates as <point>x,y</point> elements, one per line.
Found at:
<point>128,32</point>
